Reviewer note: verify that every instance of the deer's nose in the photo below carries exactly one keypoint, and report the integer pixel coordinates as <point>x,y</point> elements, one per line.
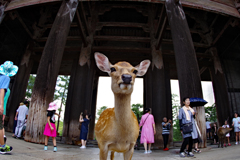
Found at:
<point>126,78</point>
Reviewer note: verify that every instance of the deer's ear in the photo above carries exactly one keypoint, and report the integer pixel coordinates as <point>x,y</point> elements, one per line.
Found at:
<point>102,62</point>
<point>143,67</point>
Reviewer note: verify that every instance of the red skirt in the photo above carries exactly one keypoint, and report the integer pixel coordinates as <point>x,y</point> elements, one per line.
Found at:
<point>49,132</point>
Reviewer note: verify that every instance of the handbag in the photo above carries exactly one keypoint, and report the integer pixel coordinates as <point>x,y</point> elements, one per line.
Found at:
<point>143,123</point>
<point>187,128</point>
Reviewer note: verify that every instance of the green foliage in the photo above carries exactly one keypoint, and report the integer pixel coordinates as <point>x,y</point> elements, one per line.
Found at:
<point>138,110</point>
<point>211,113</point>
<point>60,128</point>
<point>31,81</point>
<point>99,111</point>
<point>175,109</point>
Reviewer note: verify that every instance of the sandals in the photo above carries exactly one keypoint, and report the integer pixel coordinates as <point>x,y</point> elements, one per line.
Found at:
<point>197,150</point>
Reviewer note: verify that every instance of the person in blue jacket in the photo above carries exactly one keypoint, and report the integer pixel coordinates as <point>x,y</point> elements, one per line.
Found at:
<point>186,117</point>
<point>84,129</point>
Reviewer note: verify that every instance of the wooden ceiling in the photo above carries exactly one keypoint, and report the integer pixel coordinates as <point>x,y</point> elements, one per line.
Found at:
<point>121,30</point>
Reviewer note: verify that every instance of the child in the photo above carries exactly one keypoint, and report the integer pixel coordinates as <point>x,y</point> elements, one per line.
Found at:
<point>50,128</point>
<point>214,130</point>
<point>227,135</point>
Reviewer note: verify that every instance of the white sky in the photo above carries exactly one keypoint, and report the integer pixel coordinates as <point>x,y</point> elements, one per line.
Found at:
<point>105,96</point>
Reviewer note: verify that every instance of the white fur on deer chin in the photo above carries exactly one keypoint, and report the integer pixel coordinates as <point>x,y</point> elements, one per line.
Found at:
<point>125,86</point>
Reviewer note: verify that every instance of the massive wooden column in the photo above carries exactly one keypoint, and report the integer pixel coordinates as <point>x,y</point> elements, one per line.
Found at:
<point>187,64</point>
<point>19,86</point>
<point>220,90</point>
<point>47,73</point>
<point>80,93</point>
<point>93,109</point>
<point>155,95</point>
<point>168,98</point>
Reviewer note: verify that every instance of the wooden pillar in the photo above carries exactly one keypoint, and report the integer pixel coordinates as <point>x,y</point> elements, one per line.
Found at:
<point>19,87</point>
<point>168,99</point>
<point>155,95</point>
<point>47,73</point>
<point>93,109</point>
<point>80,93</point>
<point>187,64</point>
<point>220,90</point>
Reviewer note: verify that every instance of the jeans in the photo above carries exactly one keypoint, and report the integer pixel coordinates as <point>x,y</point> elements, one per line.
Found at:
<point>187,141</point>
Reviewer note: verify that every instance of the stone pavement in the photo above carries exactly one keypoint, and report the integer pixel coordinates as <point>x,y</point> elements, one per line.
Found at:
<point>29,151</point>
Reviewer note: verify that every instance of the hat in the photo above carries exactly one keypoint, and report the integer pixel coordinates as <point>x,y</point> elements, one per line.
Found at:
<point>8,69</point>
<point>52,106</point>
<point>21,104</point>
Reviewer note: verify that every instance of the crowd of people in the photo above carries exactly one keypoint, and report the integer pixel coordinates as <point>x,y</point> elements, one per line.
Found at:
<point>188,126</point>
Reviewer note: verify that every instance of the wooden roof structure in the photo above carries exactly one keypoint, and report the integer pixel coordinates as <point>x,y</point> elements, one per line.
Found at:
<point>121,31</point>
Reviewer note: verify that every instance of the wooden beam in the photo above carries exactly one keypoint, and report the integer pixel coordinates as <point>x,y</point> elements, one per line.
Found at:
<point>83,17</point>
<point>123,24</point>
<point>73,25</point>
<point>82,34</point>
<point>222,31</point>
<point>196,44</point>
<point>159,21</point>
<point>122,38</point>
<point>160,37</point>
<point>121,49</point>
<point>69,38</point>
<point>202,70</point>
<point>24,25</point>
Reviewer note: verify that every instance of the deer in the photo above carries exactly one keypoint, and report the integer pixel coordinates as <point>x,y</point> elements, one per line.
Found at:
<point>117,128</point>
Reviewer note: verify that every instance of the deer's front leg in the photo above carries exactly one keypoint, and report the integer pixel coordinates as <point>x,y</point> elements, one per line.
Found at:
<point>103,154</point>
<point>128,154</point>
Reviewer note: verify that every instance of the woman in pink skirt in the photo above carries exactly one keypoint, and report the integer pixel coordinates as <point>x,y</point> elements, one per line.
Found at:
<point>148,130</point>
<point>50,128</point>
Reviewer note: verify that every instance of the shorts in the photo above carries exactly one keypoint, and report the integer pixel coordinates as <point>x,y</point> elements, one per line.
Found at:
<point>236,129</point>
<point>1,122</point>
<point>208,130</point>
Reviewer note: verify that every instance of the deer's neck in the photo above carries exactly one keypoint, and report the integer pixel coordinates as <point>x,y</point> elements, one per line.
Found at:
<point>122,109</point>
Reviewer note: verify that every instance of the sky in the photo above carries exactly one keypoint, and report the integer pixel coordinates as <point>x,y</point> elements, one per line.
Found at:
<point>106,98</point>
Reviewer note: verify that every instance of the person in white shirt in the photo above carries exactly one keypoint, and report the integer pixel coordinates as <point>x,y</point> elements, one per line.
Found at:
<point>208,126</point>
<point>227,135</point>
<point>235,123</point>
<point>21,115</point>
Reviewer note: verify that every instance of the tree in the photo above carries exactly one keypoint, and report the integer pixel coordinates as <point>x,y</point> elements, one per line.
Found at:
<point>211,113</point>
<point>31,81</point>
<point>175,109</point>
<point>61,93</point>
<point>137,110</point>
<point>99,111</point>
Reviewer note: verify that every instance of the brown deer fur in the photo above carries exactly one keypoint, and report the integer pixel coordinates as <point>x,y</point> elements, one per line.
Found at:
<point>117,128</point>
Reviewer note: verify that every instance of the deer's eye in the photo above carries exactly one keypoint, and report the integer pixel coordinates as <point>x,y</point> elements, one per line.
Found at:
<point>113,69</point>
<point>135,71</point>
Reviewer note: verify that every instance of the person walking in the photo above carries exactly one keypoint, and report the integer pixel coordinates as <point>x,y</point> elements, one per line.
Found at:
<point>50,128</point>
<point>148,130</point>
<point>6,70</point>
<point>21,115</point>
<point>165,132</point>
<point>186,121</point>
<point>235,124</point>
<point>208,126</point>
<point>84,129</point>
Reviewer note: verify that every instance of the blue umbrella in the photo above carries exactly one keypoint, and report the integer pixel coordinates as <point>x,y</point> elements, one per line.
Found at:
<point>194,102</point>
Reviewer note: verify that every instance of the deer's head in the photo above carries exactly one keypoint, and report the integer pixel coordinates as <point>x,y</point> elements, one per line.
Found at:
<point>123,73</point>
